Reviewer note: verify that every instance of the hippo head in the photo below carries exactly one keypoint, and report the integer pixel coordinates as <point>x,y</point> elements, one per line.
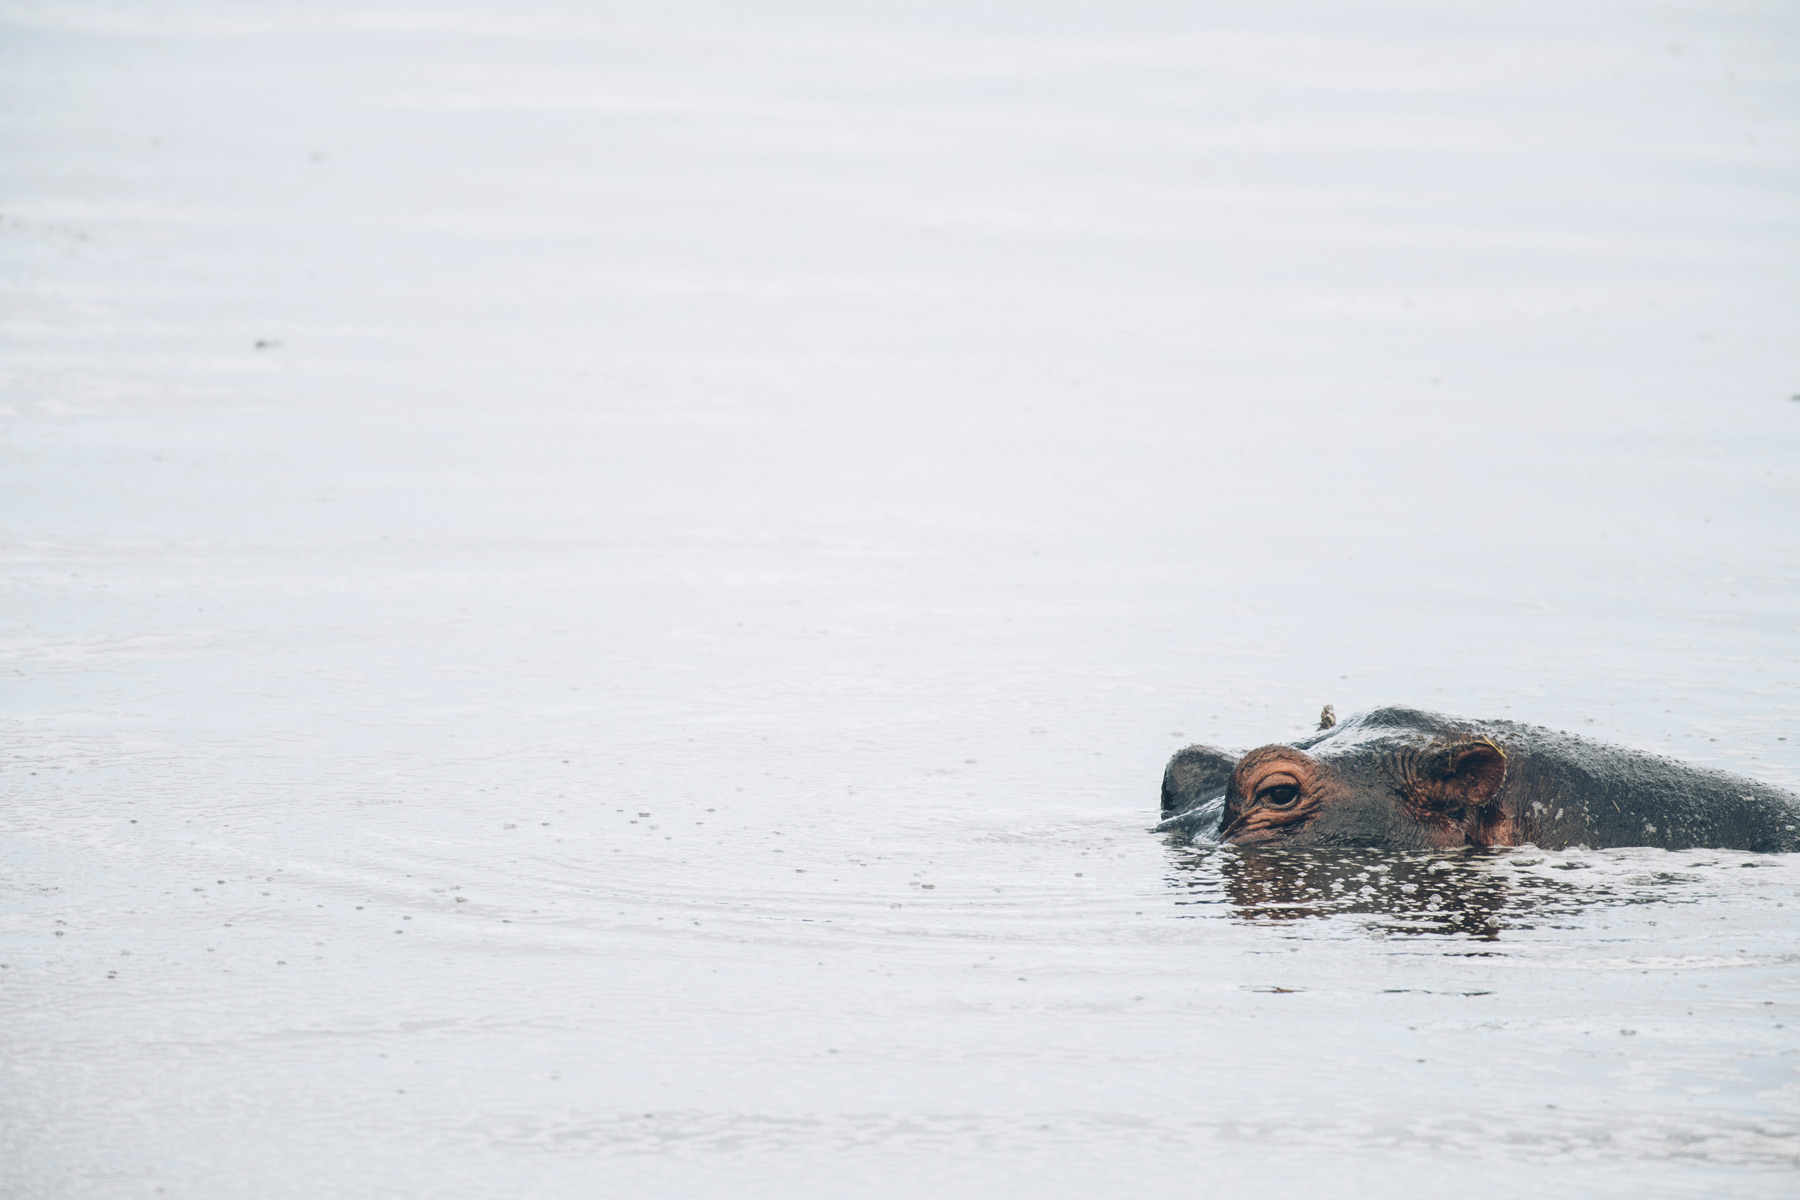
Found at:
<point>1392,777</point>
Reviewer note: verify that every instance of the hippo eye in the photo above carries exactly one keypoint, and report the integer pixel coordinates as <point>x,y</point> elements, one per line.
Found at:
<point>1278,795</point>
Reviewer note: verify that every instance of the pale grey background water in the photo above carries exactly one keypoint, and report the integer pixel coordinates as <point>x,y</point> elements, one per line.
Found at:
<point>595,596</point>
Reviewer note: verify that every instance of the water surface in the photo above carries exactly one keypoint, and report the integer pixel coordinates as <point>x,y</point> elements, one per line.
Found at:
<point>595,600</point>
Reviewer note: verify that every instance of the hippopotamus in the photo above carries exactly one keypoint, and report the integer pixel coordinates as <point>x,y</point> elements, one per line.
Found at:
<point>1411,780</point>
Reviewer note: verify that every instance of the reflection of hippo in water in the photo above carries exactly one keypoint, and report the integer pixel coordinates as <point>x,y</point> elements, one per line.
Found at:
<point>1476,894</point>
<point>1414,780</point>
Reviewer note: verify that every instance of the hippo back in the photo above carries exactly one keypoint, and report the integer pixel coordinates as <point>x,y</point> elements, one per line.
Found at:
<point>1565,790</point>
<point>1570,791</point>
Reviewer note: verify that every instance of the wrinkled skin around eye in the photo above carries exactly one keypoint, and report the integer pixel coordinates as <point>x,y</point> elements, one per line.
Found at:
<point>1273,792</point>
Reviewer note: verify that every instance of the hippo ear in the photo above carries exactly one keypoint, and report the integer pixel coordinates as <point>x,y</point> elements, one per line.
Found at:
<point>1460,778</point>
<point>1194,776</point>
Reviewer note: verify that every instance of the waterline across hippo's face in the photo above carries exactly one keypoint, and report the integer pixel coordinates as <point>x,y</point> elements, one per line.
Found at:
<point>1406,779</point>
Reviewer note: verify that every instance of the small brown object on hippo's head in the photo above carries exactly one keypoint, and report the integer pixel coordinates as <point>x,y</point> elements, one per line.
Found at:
<point>1327,717</point>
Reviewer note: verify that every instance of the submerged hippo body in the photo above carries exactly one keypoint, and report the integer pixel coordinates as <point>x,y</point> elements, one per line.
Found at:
<point>1406,779</point>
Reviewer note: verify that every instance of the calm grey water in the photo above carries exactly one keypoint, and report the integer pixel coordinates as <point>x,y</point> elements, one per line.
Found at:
<point>595,596</point>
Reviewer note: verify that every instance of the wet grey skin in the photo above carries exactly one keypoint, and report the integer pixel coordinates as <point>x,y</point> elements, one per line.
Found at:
<point>1409,780</point>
